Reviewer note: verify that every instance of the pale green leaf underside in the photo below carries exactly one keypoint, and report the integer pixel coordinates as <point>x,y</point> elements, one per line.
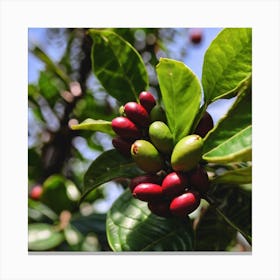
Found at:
<point>227,63</point>
<point>94,125</point>
<point>131,227</point>
<point>236,148</point>
<point>230,139</point>
<point>181,94</point>
<point>118,66</point>
<point>43,237</point>
<point>108,166</point>
<point>238,176</point>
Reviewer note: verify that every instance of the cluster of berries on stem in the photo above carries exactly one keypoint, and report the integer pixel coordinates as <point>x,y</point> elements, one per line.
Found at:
<point>174,180</point>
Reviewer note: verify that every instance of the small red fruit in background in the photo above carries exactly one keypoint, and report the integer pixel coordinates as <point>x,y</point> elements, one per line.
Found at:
<point>146,178</point>
<point>199,180</point>
<point>196,36</point>
<point>125,128</point>
<point>36,192</point>
<point>147,100</point>
<point>160,208</point>
<point>185,204</point>
<point>205,125</point>
<point>122,145</point>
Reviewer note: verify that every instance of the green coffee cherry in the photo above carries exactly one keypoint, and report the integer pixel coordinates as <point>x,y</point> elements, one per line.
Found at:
<point>187,153</point>
<point>161,137</point>
<point>158,114</point>
<point>146,156</point>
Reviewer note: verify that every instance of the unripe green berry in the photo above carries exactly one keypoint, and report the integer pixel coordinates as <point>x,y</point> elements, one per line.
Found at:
<point>161,137</point>
<point>146,156</point>
<point>158,114</point>
<point>187,153</point>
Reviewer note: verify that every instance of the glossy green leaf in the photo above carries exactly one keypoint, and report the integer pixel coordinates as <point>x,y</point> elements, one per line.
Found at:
<point>132,227</point>
<point>43,237</point>
<point>234,204</point>
<point>227,64</point>
<point>118,66</point>
<point>231,138</point>
<point>108,166</point>
<point>94,125</point>
<point>181,94</point>
<point>238,176</point>
<point>213,233</point>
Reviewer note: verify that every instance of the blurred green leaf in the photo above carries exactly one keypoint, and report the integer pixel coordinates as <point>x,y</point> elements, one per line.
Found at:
<point>42,237</point>
<point>38,52</point>
<point>108,166</point>
<point>59,195</point>
<point>227,64</point>
<point>92,223</point>
<point>94,125</point>
<point>118,66</point>
<point>73,237</point>
<point>181,94</point>
<point>132,227</point>
<point>231,138</point>
<point>238,176</point>
<point>213,233</point>
<point>35,165</point>
<point>38,211</point>
<point>49,87</point>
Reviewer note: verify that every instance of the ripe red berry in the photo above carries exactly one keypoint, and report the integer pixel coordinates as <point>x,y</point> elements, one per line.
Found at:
<point>160,208</point>
<point>36,192</point>
<point>185,204</point>
<point>122,145</point>
<point>205,124</point>
<point>199,180</point>
<point>137,113</point>
<point>126,128</point>
<point>196,36</point>
<point>147,100</point>
<point>147,191</point>
<point>174,184</point>
<point>146,178</point>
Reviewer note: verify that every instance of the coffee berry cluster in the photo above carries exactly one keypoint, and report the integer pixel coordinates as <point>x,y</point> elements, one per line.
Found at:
<point>174,180</point>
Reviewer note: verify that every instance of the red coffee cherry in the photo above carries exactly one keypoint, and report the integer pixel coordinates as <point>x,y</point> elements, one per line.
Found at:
<point>174,184</point>
<point>147,191</point>
<point>147,100</point>
<point>36,192</point>
<point>199,180</point>
<point>196,36</point>
<point>185,204</point>
<point>137,113</point>
<point>160,208</point>
<point>205,124</point>
<point>122,145</point>
<point>146,178</point>
<point>126,128</point>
